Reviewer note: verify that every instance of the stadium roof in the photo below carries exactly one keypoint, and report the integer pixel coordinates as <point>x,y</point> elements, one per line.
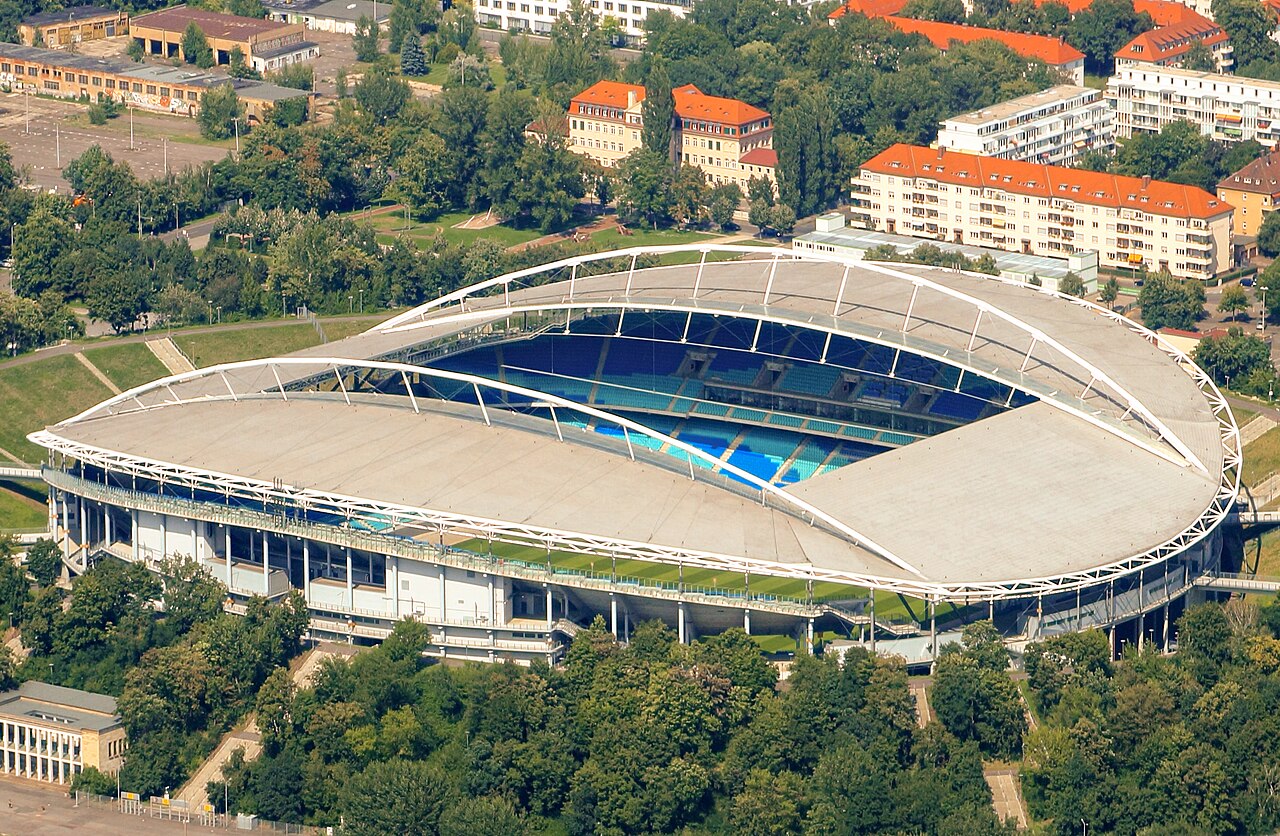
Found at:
<point>1130,455</point>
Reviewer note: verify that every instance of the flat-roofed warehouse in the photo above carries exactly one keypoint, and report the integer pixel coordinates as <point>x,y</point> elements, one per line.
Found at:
<point>67,27</point>
<point>754,442</point>
<point>266,44</point>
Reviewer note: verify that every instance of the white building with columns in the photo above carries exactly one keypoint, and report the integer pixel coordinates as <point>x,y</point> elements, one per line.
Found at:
<point>50,733</point>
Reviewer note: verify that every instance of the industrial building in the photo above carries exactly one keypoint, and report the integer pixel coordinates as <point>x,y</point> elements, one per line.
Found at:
<point>266,44</point>
<point>65,28</point>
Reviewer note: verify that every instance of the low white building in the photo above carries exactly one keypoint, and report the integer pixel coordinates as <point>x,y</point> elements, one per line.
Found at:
<point>1055,127</point>
<point>337,16</point>
<point>831,235</point>
<point>536,16</point>
<point>1224,107</point>
<point>50,733</point>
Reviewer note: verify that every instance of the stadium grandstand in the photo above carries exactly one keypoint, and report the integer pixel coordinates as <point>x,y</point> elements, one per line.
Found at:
<point>717,436</point>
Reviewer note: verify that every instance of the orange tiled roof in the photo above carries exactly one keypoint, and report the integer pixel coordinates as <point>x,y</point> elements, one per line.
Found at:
<point>1077,185</point>
<point>1178,27</point>
<point>761,156</point>
<point>608,94</point>
<point>1262,176</point>
<point>872,8</point>
<point>1073,6</point>
<point>692,103</point>
<point>1167,12</point>
<point>1052,51</point>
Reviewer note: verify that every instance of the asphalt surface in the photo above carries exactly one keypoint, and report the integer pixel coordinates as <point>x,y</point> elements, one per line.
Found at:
<point>29,808</point>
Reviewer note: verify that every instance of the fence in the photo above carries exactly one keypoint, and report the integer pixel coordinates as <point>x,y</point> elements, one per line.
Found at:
<point>181,813</point>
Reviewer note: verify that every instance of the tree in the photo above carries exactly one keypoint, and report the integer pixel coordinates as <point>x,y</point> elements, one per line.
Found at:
<point>1169,303</point>
<point>220,112</point>
<point>288,113</point>
<point>1204,642</point>
<point>1109,292</point>
<point>412,59</point>
<point>195,47</point>
<point>299,76</point>
<point>482,816</point>
<point>1233,301</point>
<point>1249,27</point>
<point>1100,30</point>
<point>979,704</point>
<point>1071,284</point>
<point>807,158</point>
<point>644,190</point>
<point>44,561</point>
<point>118,298</point>
<point>724,202</point>
<point>237,67</point>
<point>658,110</point>
<point>394,798</point>
<point>1269,235</point>
<point>365,39</point>
<point>1234,356</point>
<point>380,96</point>
<point>423,180</point>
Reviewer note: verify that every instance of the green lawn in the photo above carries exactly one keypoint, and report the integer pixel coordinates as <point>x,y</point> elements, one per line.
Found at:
<point>214,347</point>
<point>1262,457</point>
<point>1242,415</point>
<point>20,508</point>
<point>611,239</point>
<point>889,606</point>
<point>128,365</point>
<point>44,392</point>
<point>391,226</point>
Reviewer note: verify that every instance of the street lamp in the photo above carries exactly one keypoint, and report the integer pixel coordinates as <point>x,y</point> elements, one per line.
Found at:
<point>210,311</point>
<point>219,314</point>
<point>351,303</point>
<point>1263,289</point>
<point>362,300</point>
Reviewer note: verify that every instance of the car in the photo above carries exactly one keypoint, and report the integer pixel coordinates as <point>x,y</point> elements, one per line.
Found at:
<point>1247,281</point>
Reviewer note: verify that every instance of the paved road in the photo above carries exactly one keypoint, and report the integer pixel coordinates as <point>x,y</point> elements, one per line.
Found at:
<point>28,808</point>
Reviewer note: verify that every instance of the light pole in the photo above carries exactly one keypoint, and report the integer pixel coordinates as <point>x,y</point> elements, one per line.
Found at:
<point>362,300</point>
<point>210,311</point>
<point>27,130</point>
<point>236,120</point>
<point>284,305</point>
<point>1263,288</point>
<point>57,143</point>
<point>351,303</point>
<point>131,146</point>
<point>219,314</point>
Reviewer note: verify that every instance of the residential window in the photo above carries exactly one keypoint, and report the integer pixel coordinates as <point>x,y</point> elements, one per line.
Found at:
<point>84,79</point>
<point>151,89</point>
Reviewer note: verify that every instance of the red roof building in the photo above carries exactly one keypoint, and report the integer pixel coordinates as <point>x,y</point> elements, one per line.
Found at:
<point>1055,52</point>
<point>1178,29</point>
<point>1013,205</point>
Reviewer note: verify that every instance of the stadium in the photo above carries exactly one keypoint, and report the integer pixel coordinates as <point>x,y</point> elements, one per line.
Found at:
<point>797,444</point>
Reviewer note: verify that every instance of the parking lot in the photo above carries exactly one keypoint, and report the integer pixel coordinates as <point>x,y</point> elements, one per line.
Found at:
<point>41,133</point>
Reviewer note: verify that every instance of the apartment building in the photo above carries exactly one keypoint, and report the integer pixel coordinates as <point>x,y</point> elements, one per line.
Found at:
<point>536,16</point>
<point>1225,108</point>
<point>731,141</point>
<point>1057,126</point>
<point>50,733</point>
<point>1178,30</point>
<point>1254,191</point>
<point>1130,222</point>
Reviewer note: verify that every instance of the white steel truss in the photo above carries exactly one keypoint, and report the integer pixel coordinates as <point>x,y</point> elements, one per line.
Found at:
<point>427,314</point>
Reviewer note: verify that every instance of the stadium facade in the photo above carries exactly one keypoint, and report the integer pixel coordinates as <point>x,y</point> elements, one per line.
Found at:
<point>771,439</point>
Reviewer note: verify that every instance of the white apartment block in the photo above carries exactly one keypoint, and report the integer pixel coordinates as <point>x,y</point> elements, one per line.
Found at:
<point>1055,127</point>
<point>50,733</point>
<point>536,16</point>
<point>1130,222</point>
<point>1224,107</point>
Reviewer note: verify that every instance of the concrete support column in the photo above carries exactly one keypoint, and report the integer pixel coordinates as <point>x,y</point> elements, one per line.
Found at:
<point>626,623</point>
<point>1142,631</point>
<point>933,630</point>
<point>107,527</point>
<point>1111,638</point>
<point>680,622</point>
<point>266,565</point>
<point>164,535</point>
<point>1164,628</point>
<point>493,607</point>
<point>808,635</point>
<point>872,610</point>
<point>548,605</point>
<point>613,614</point>
<point>133,530</point>
<point>226,531</point>
<point>444,602</point>
<point>746,621</point>
<point>66,527</point>
<point>84,523</point>
<point>306,570</point>
<point>197,542</point>
<point>393,571</point>
<point>351,599</point>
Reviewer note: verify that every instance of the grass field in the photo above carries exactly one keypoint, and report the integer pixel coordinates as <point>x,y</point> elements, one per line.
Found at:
<point>889,606</point>
<point>611,239</point>
<point>1242,415</point>
<point>128,365</point>
<point>391,226</point>
<point>212,347</point>
<point>37,394</point>
<point>1262,457</point>
<point>22,507</point>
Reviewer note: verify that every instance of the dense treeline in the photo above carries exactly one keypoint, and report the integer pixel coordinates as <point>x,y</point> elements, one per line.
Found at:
<point>649,737</point>
<point>1188,743</point>
<point>183,674</point>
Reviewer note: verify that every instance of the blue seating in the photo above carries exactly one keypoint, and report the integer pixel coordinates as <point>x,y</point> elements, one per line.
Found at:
<point>960,407</point>
<point>807,346</point>
<point>634,398</point>
<point>734,333</point>
<point>914,367</point>
<point>810,457</point>
<point>743,414</point>
<point>810,379</point>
